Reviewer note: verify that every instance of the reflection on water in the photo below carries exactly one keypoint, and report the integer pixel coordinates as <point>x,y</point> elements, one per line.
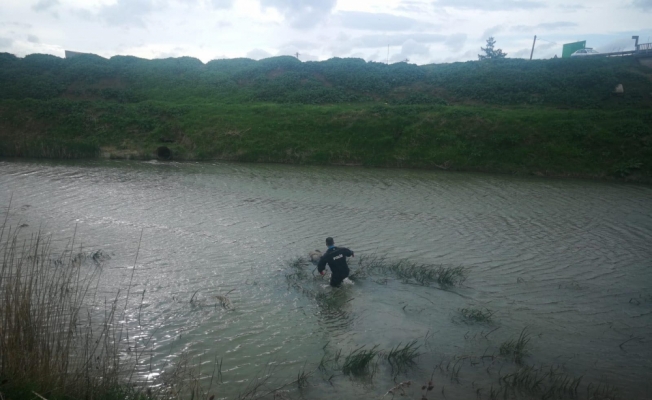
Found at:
<point>568,259</point>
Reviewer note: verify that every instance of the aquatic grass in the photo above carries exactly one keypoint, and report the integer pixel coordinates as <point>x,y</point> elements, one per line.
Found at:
<point>57,341</point>
<point>602,391</point>
<point>546,382</point>
<point>409,271</point>
<point>516,349</point>
<point>401,358</point>
<point>476,314</point>
<point>302,378</point>
<point>360,362</point>
<point>298,263</point>
<point>50,339</point>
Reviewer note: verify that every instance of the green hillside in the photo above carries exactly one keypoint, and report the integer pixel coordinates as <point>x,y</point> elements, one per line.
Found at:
<point>549,117</point>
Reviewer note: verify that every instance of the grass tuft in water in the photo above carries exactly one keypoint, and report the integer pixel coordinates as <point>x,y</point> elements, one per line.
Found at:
<point>299,269</point>
<point>402,358</point>
<point>549,383</point>
<point>516,349</point>
<point>360,362</point>
<point>409,271</point>
<point>476,314</point>
<point>602,392</point>
<point>302,378</point>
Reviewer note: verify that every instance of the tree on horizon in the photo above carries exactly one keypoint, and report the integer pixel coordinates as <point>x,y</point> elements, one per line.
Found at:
<point>490,52</point>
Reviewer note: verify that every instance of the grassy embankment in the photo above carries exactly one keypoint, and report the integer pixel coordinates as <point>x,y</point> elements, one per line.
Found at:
<point>552,117</point>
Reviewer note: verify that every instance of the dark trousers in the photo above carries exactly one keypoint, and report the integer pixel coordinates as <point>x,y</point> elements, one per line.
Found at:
<point>336,279</point>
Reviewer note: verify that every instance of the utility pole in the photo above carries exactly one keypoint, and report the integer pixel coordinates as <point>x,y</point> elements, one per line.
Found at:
<point>533,43</point>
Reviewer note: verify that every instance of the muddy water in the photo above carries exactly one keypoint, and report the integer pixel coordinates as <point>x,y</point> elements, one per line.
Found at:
<point>569,260</point>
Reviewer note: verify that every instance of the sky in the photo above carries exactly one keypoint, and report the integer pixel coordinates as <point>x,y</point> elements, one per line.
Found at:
<point>420,31</point>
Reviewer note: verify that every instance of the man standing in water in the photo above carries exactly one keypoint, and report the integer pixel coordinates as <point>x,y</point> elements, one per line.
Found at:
<point>335,257</point>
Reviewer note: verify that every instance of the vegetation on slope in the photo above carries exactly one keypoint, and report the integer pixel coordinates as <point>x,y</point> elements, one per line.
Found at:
<point>551,117</point>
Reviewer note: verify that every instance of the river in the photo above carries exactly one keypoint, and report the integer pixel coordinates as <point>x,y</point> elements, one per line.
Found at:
<point>570,260</point>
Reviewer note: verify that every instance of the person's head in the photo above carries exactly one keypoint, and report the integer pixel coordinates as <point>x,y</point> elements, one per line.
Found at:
<point>330,241</point>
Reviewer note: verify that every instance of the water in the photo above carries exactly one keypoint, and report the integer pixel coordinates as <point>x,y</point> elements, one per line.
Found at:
<point>571,260</point>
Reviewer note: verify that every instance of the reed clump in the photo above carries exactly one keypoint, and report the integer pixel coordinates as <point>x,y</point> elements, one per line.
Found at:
<point>53,344</point>
<point>48,340</point>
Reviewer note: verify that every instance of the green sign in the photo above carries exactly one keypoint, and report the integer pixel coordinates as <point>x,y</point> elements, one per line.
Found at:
<point>570,48</point>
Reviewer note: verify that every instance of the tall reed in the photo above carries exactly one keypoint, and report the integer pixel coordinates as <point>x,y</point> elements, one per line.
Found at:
<point>50,341</point>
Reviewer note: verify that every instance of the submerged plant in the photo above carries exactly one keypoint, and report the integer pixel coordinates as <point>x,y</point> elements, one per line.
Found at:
<point>409,271</point>
<point>360,362</point>
<point>516,349</point>
<point>298,266</point>
<point>547,382</point>
<point>402,358</point>
<point>476,314</point>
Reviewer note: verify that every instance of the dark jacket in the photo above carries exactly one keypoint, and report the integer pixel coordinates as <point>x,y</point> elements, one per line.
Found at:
<point>336,259</point>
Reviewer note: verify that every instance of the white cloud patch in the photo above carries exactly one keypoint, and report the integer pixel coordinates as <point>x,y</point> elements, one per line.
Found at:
<point>258,54</point>
<point>412,6</point>
<point>643,4</point>
<point>571,7</point>
<point>372,41</point>
<point>222,4</point>
<point>45,5</point>
<point>302,14</point>
<point>129,13</point>
<point>491,5</point>
<point>5,43</point>
<point>456,42</point>
<point>375,21</point>
<point>409,49</point>
<point>545,26</point>
<point>621,44</point>
<point>492,31</point>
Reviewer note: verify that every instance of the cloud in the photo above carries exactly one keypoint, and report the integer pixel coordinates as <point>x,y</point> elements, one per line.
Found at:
<point>538,50</point>
<point>491,32</point>
<point>258,54</point>
<point>548,26</point>
<point>571,7</point>
<point>32,39</point>
<point>373,41</point>
<point>375,21</point>
<point>44,5</point>
<point>643,4</point>
<point>128,13</point>
<point>620,44</point>
<point>302,14</point>
<point>456,42</point>
<point>5,43</point>
<point>412,47</point>
<point>523,53</point>
<point>411,6</point>
<point>493,5</point>
<point>222,4</point>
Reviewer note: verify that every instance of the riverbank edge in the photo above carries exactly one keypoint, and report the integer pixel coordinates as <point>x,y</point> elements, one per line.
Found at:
<point>136,156</point>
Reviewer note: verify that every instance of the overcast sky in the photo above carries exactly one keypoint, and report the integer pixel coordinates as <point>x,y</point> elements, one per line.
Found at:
<point>423,31</point>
